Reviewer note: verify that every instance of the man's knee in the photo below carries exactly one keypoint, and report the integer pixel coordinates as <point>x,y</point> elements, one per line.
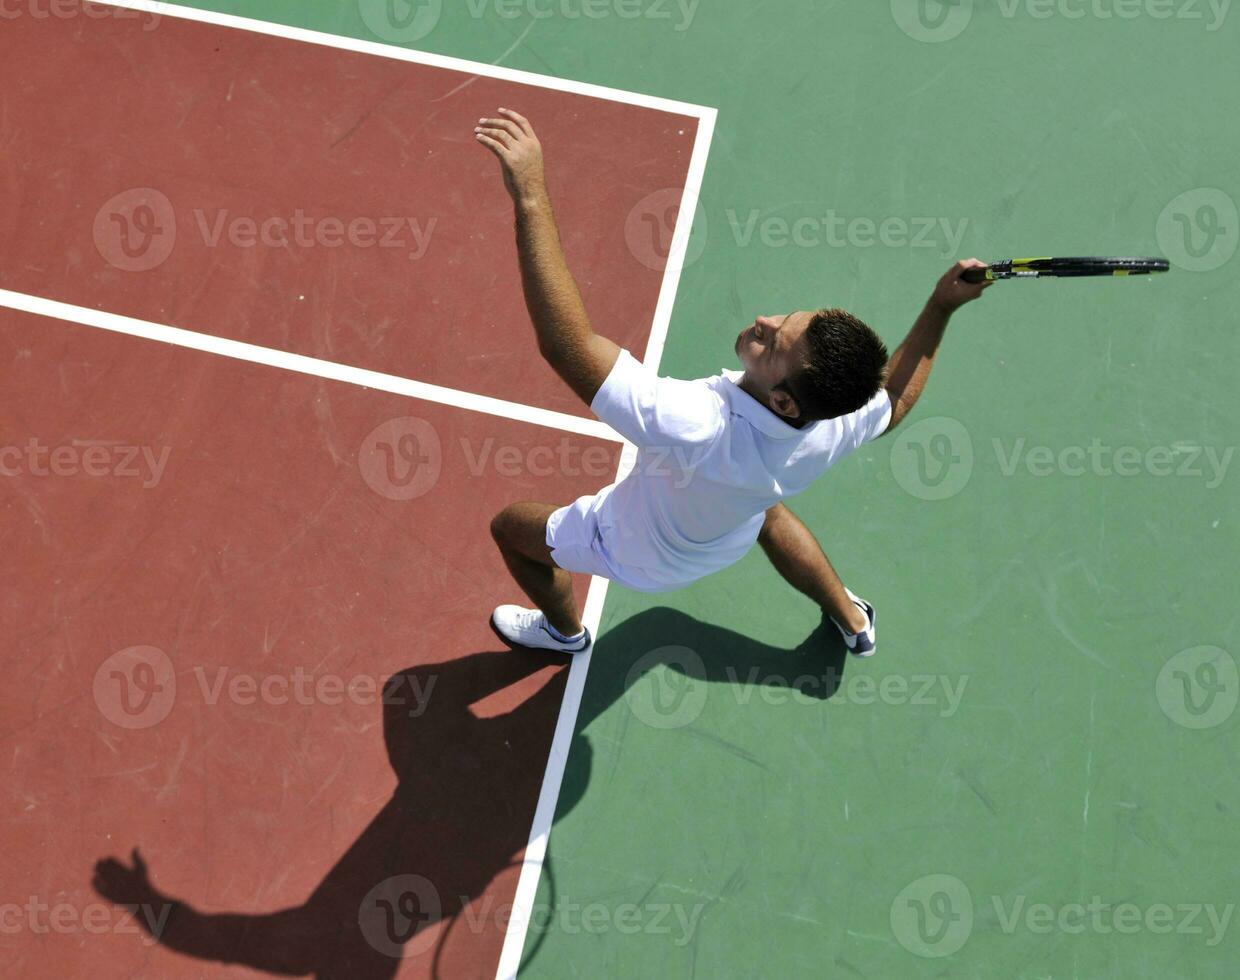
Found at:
<point>502,526</point>
<point>521,529</point>
<point>773,517</point>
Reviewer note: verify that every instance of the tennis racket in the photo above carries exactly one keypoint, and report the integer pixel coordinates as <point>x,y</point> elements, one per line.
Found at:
<point>1066,268</point>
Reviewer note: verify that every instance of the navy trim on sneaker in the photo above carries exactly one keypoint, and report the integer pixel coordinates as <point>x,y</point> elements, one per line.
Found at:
<point>584,639</point>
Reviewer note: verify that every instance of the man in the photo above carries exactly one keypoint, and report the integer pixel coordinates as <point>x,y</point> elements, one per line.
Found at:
<point>716,457</point>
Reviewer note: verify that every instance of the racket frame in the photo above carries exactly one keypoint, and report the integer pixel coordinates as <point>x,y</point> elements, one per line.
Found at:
<point>1069,267</point>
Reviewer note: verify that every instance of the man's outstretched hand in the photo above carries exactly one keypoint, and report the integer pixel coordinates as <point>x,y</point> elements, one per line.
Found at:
<point>952,292</point>
<point>511,138</point>
<point>123,885</point>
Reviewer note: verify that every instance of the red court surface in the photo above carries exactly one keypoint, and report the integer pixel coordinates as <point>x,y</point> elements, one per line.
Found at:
<point>198,636</point>
<point>142,168</point>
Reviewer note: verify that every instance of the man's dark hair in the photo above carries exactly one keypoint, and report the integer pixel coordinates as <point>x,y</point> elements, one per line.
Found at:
<point>845,367</point>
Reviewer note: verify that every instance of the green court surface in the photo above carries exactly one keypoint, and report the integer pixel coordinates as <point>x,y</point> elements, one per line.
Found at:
<point>1036,777</point>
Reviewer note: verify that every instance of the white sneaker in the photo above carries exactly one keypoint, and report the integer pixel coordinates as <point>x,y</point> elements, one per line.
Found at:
<point>529,628</point>
<point>865,643</point>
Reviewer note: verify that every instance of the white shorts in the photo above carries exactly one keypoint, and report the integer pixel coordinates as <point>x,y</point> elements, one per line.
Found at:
<point>577,545</point>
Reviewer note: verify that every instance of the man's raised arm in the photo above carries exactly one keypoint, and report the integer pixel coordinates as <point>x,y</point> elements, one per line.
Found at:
<point>911,363</point>
<point>565,337</point>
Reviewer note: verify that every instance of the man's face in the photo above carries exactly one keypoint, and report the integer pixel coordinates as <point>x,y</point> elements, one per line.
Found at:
<point>772,347</point>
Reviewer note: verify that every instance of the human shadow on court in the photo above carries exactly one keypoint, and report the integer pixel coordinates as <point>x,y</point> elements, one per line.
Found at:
<point>467,787</point>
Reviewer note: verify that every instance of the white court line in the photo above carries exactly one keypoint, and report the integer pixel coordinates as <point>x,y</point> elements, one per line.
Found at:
<point>241,351</point>
<point>172,10</point>
<point>544,816</point>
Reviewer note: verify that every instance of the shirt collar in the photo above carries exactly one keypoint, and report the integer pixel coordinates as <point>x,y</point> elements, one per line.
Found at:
<point>757,414</point>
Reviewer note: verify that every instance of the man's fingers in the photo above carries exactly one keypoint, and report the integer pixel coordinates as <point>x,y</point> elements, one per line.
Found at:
<point>495,146</point>
<point>502,135</point>
<point>504,138</point>
<point>507,125</point>
<point>519,119</point>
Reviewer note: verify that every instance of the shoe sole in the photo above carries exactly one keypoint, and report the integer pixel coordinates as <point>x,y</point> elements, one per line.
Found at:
<point>517,646</point>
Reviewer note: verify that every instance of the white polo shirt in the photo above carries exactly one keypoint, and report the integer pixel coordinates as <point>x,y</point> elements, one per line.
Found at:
<point>711,461</point>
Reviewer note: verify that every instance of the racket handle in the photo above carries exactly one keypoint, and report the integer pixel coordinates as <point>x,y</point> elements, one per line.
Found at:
<point>974,275</point>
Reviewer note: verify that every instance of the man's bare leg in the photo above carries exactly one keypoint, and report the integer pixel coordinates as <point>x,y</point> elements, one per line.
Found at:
<point>799,558</point>
<point>520,530</point>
